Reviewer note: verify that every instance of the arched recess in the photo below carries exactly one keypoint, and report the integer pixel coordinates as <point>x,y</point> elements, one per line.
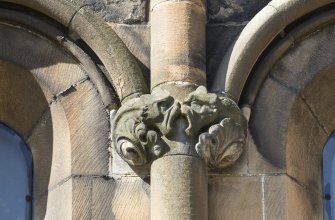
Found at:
<point>59,77</point>
<point>281,70</point>
<point>80,22</point>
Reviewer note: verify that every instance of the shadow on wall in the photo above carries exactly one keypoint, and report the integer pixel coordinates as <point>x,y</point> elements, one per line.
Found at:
<point>22,107</point>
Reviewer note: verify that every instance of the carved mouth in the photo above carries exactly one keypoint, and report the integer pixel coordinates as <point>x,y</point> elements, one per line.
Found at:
<point>171,114</point>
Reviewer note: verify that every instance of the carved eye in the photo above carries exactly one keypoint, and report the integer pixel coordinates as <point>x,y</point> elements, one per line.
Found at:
<point>165,105</point>
<point>130,152</point>
<point>196,106</point>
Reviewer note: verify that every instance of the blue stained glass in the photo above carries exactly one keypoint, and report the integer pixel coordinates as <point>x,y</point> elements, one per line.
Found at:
<point>329,179</point>
<point>15,176</point>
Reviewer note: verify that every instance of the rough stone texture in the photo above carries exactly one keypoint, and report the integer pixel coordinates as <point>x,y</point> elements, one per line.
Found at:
<point>54,72</point>
<point>303,203</point>
<point>137,39</point>
<point>120,11</point>
<point>257,163</point>
<point>89,129</point>
<point>22,102</point>
<point>322,108</point>
<point>56,204</point>
<point>233,10</point>
<point>219,38</point>
<point>308,58</point>
<point>275,197</point>
<point>179,188</point>
<point>173,59</point>
<point>270,134</point>
<point>235,198</point>
<point>82,198</point>
<point>120,198</point>
<point>305,142</point>
<point>51,149</point>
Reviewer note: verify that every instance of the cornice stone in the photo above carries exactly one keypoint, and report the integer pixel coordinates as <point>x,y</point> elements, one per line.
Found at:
<point>144,126</point>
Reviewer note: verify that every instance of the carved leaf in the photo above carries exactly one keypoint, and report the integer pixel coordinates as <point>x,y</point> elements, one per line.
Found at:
<point>222,145</point>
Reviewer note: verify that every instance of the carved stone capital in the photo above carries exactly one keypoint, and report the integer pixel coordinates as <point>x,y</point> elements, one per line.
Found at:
<point>143,126</point>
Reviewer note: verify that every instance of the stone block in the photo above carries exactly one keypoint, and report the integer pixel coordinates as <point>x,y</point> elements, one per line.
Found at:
<point>137,39</point>
<point>306,59</point>
<point>219,39</point>
<point>257,163</point>
<point>237,197</point>
<point>125,11</point>
<point>121,198</point>
<point>82,198</point>
<point>305,142</point>
<point>54,73</point>
<point>240,167</point>
<point>320,100</point>
<point>234,10</point>
<point>50,145</point>
<point>275,197</point>
<point>89,129</point>
<point>22,101</point>
<point>56,204</point>
<point>268,132</point>
<point>303,203</point>
<point>121,167</point>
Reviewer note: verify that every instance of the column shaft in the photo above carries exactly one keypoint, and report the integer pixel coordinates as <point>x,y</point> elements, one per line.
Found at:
<point>179,188</point>
<point>178,42</point>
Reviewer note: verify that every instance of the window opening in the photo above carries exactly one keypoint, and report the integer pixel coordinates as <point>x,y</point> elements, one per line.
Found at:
<point>15,176</point>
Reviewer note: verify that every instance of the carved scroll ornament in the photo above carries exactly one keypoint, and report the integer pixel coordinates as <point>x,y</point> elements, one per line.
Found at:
<point>142,125</point>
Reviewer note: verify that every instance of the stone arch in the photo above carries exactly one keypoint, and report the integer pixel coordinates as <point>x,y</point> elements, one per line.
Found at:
<point>55,94</point>
<point>292,111</point>
<point>81,23</point>
<point>271,22</point>
<point>281,70</point>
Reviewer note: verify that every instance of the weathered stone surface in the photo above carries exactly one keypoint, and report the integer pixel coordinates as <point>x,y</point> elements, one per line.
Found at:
<point>120,198</point>
<point>89,129</point>
<point>122,70</point>
<point>22,101</point>
<point>237,197</point>
<point>305,142</point>
<point>139,136</point>
<point>275,197</point>
<point>61,10</point>
<point>303,203</point>
<point>308,58</point>
<point>56,204</point>
<point>51,149</point>
<point>179,188</point>
<point>257,163</point>
<point>178,51</point>
<point>219,39</point>
<point>240,167</point>
<point>53,69</point>
<point>82,198</point>
<point>137,39</point>
<point>124,11</point>
<point>320,100</point>
<point>274,101</point>
<point>234,10</point>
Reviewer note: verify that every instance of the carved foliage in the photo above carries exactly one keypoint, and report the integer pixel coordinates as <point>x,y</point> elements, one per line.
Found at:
<point>222,145</point>
<point>140,124</point>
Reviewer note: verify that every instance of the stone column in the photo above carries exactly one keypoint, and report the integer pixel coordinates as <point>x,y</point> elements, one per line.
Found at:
<point>179,128</point>
<point>178,46</point>
<point>179,178</point>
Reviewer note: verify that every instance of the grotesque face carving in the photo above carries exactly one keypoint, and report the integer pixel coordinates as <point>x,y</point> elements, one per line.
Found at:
<point>200,109</point>
<point>160,110</point>
<point>140,124</point>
